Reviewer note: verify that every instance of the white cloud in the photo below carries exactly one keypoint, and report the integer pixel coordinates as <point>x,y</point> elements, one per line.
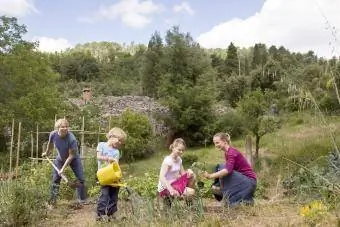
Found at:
<point>185,7</point>
<point>133,13</point>
<point>47,44</point>
<point>17,8</point>
<point>298,25</point>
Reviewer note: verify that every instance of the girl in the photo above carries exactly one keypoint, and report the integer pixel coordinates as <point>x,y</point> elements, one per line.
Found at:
<point>237,178</point>
<point>173,180</point>
<point>107,152</point>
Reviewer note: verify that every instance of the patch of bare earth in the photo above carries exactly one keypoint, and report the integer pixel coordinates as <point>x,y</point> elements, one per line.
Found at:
<point>263,213</point>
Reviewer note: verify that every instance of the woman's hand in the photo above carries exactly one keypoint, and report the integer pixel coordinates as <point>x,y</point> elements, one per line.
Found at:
<point>205,174</point>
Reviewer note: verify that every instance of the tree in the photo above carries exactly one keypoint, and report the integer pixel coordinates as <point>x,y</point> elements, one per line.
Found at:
<point>254,109</point>
<point>79,66</point>
<point>260,55</point>
<point>152,69</point>
<point>232,60</point>
<point>28,86</point>
<point>11,34</point>
<point>187,87</point>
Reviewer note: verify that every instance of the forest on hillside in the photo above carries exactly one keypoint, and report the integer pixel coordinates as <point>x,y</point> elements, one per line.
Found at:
<point>255,84</point>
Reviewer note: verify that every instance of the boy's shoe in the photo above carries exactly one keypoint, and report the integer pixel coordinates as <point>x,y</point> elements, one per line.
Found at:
<point>100,218</point>
<point>83,202</point>
<point>111,218</point>
<point>51,204</point>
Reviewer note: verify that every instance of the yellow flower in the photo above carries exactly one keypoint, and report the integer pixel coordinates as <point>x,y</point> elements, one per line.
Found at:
<point>314,211</point>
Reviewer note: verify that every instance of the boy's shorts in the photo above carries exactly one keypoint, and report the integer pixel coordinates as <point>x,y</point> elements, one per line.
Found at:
<point>179,185</point>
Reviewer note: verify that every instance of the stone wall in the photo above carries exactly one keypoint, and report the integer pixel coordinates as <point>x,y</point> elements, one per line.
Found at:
<point>116,105</point>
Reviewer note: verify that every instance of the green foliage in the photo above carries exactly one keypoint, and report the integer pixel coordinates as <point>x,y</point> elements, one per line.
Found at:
<point>254,107</point>
<point>233,89</point>
<point>78,66</point>
<point>145,185</point>
<point>232,60</point>
<point>188,159</point>
<point>21,204</point>
<point>231,122</point>
<point>187,87</point>
<point>11,33</point>
<point>140,139</point>
<point>152,69</point>
<point>23,200</point>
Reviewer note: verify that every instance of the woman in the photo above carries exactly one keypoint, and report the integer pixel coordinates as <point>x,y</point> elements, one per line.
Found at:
<point>237,178</point>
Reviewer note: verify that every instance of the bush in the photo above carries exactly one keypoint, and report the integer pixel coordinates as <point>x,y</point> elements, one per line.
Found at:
<point>23,200</point>
<point>232,123</point>
<point>140,141</point>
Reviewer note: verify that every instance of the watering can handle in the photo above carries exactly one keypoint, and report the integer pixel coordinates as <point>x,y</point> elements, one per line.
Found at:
<point>56,168</point>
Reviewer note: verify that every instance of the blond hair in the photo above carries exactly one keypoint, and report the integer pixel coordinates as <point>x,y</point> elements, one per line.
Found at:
<point>118,133</point>
<point>60,121</point>
<point>176,142</point>
<point>223,136</point>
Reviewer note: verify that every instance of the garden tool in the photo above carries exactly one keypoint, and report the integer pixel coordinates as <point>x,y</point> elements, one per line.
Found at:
<point>72,184</point>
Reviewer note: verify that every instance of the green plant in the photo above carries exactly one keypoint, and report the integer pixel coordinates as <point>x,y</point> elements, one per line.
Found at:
<point>23,200</point>
<point>189,159</point>
<point>145,186</point>
<point>139,143</point>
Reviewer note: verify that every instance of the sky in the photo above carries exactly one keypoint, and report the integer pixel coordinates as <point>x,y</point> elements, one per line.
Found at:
<point>298,25</point>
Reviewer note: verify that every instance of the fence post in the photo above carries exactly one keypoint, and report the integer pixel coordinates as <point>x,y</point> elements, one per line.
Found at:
<point>11,149</point>
<point>32,147</point>
<point>18,151</point>
<point>37,143</point>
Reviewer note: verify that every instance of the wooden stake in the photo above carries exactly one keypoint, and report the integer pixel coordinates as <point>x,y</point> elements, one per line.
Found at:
<point>37,143</point>
<point>98,134</point>
<point>32,145</point>
<point>18,151</point>
<point>11,149</point>
<point>82,137</point>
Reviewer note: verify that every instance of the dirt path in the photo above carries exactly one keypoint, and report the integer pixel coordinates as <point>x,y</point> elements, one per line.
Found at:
<point>264,213</point>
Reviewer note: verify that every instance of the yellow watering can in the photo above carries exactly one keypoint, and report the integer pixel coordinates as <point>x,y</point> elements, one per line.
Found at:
<point>110,175</point>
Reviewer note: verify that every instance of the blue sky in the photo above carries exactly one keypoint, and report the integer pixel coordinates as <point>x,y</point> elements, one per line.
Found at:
<point>299,25</point>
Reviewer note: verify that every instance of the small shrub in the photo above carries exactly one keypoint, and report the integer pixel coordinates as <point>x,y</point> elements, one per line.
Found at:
<point>140,139</point>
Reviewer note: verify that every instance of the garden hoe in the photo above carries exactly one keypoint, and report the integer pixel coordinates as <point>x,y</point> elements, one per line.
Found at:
<point>72,184</point>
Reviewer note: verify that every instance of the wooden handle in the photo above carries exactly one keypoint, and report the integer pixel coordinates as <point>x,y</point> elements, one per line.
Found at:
<point>56,168</point>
